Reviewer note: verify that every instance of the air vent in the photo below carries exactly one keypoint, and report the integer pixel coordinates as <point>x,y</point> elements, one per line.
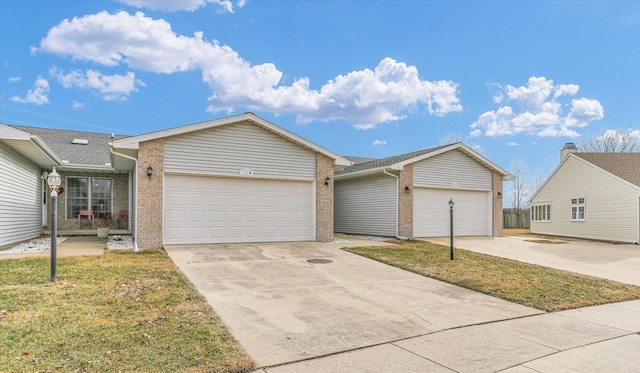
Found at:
<point>80,141</point>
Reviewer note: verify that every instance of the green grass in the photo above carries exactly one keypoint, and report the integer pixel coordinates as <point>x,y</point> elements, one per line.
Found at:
<point>122,311</point>
<point>528,284</point>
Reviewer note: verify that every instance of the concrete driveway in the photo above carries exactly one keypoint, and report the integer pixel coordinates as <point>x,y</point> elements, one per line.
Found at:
<point>281,308</point>
<point>618,262</point>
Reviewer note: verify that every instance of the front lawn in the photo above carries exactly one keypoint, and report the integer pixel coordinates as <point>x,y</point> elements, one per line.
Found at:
<point>122,311</point>
<point>528,284</point>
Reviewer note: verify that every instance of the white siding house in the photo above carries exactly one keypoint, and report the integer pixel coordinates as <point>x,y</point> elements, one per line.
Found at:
<point>407,195</point>
<point>591,195</point>
<point>20,197</point>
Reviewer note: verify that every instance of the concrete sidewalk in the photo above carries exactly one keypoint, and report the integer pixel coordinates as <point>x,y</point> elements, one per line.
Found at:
<point>594,339</point>
<point>72,246</point>
<point>618,262</point>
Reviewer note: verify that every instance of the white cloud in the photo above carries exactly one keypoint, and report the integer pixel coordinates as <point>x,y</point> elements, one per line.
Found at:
<point>513,143</point>
<point>380,142</point>
<point>363,98</point>
<point>14,79</point>
<point>537,111</point>
<point>77,105</point>
<point>110,87</point>
<point>184,5</point>
<point>36,95</point>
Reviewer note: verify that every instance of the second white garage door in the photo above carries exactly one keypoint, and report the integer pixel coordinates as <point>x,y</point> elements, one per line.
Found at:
<point>431,213</point>
<point>201,209</point>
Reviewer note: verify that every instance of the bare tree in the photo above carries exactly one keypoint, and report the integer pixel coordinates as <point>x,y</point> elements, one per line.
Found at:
<point>612,141</point>
<point>519,193</point>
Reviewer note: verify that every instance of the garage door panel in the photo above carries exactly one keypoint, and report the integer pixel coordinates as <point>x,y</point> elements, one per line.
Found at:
<point>210,209</point>
<point>431,212</point>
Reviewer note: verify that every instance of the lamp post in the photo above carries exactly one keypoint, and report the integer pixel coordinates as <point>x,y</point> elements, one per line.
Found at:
<point>451,203</point>
<point>54,183</point>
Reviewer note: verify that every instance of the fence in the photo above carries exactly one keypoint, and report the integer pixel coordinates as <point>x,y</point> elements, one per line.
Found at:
<point>511,218</point>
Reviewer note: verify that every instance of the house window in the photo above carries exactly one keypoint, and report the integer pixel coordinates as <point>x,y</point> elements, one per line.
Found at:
<point>578,206</point>
<point>88,193</point>
<point>541,213</point>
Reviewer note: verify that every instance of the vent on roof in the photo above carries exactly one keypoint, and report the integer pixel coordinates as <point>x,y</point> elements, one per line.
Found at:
<point>80,141</point>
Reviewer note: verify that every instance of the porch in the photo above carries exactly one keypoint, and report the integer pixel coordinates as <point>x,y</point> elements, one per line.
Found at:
<point>87,232</point>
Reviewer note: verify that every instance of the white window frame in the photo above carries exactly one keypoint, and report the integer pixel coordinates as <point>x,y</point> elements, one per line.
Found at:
<point>578,209</point>
<point>541,213</point>
<point>89,193</point>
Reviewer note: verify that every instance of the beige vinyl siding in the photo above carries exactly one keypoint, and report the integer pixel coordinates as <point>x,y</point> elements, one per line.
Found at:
<point>20,198</point>
<point>611,210</point>
<point>226,150</point>
<point>366,205</point>
<point>452,169</point>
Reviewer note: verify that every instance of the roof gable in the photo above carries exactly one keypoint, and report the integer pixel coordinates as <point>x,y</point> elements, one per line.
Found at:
<point>134,141</point>
<point>399,161</point>
<point>616,164</point>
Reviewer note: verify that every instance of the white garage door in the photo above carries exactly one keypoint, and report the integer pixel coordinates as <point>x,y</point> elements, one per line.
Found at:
<point>471,213</point>
<point>222,210</point>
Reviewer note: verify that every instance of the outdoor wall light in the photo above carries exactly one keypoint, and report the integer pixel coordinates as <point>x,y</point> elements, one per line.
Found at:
<point>327,180</point>
<point>407,190</point>
<point>149,172</point>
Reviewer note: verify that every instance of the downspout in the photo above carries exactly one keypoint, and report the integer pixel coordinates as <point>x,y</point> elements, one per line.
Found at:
<point>135,241</point>
<point>384,170</point>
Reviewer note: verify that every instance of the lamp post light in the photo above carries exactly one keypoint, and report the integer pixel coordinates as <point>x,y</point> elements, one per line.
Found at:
<point>54,183</point>
<point>451,203</point>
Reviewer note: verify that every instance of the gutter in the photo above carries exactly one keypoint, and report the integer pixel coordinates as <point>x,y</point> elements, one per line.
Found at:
<point>46,149</point>
<point>135,223</point>
<point>384,170</point>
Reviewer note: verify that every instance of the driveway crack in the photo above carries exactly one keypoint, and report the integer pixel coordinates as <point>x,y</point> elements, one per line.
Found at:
<point>374,297</point>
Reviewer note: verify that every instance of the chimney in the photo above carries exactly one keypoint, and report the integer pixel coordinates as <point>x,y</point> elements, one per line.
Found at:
<point>567,149</point>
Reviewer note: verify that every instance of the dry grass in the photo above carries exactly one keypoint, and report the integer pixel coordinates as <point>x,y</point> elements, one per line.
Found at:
<point>527,233</point>
<point>117,312</point>
<point>528,284</point>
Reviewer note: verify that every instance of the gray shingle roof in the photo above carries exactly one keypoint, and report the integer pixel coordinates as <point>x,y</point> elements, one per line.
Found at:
<point>357,160</point>
<point>384,162</point>
<point>624,165</point>
<point>95,153</point>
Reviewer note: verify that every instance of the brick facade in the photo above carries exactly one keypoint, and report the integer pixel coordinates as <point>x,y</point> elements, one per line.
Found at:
<point>496,198</point>
<point>150,194</point>
<point>324,199</point>
<point>405,202</point>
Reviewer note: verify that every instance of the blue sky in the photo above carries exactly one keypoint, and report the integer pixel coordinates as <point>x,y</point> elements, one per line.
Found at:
<point>374,79</point>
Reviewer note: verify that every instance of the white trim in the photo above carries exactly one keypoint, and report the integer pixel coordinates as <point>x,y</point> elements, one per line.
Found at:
<point>134,141</point>
<point>384,171</point>
<point>137,212</point>
<point>240,176</point>
<point>440,187</point>
<point>314,207</point>
<point>400,165</point>
<point>577,205</point>
<point>546,205</point>
<point>89,192</point>
<point>470,152</point>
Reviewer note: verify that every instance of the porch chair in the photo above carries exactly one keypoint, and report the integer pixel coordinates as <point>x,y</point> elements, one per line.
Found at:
<point>87,213</point>
<point>122,214</point>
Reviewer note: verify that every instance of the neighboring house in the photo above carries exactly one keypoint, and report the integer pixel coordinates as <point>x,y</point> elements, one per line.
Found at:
<point>235,179</point>
<point>407,195</point>
<point>89,180</point>
<point>590,195</point>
